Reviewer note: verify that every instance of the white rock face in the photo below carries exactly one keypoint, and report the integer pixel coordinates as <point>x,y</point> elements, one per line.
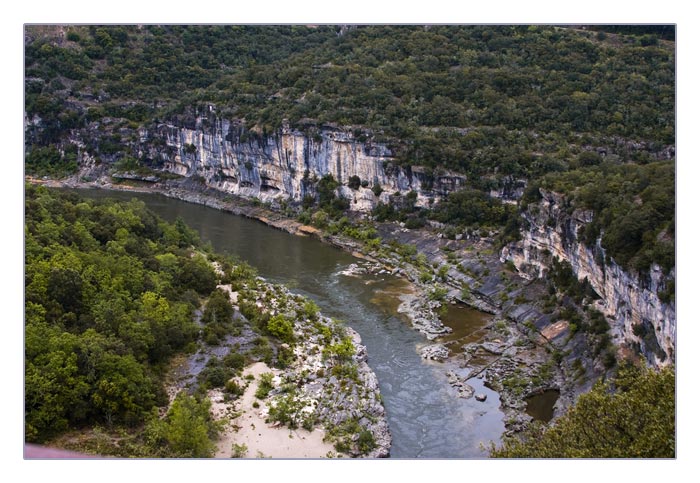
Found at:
<point>628,299</point>
<point>285,164</point>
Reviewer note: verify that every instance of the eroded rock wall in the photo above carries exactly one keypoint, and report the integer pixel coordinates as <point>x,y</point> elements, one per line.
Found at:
<point>285,164</point>
<point>629,300</point>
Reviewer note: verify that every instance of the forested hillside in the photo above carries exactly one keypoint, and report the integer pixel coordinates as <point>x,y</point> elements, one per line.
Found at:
<point>110,296</point>
<point>531,152</point>
<point>491,102</point>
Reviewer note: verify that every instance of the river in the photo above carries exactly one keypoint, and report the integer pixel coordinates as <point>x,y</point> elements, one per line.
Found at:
<point>425,417</point>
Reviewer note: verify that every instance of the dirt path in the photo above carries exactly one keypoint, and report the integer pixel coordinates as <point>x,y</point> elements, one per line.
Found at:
<point>262,439</point>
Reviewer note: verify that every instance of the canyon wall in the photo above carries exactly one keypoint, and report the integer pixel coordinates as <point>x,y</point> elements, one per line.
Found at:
<point>630,301</point>
<point>286,164</point>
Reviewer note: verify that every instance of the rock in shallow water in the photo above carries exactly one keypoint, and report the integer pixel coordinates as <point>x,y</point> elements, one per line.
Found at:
<point>437,352</point>
<point>466,391</point>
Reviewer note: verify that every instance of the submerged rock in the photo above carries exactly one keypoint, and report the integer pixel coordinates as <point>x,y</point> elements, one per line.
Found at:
<point>466,391</point>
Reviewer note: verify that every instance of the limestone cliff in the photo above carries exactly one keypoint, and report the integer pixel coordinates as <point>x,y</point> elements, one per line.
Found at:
<point>631,301</point>
<point>286,163</point>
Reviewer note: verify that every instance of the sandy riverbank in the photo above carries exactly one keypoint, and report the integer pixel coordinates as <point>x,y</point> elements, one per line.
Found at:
<point>263,440</point>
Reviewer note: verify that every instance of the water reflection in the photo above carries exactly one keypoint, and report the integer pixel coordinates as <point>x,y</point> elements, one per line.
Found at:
<point>541,406</point>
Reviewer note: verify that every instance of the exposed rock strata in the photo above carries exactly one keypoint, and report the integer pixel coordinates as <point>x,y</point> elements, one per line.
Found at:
<point>422,315</point>
<point>628,299</point>
<point>285,164</point>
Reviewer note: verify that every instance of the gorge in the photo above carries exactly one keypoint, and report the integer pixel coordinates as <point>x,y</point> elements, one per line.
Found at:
<point>286,166</point>
<point>491,208</point>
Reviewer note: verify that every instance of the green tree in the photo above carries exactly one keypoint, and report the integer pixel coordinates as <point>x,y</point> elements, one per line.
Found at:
<point>187,431</point>
<point>55,390</point>
<point>632,416</point>
<point>122,391</point>
<point>218,309</point>
<point>354,182</point>
<point>197,274</point>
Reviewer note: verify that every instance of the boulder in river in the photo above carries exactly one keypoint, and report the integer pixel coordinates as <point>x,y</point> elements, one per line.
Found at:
<point>436,352</point>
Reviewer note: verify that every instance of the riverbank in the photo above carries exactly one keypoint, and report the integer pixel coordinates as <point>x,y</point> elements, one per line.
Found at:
<point>247,433</point>
<point>309,392</point>
<point>474,276</point>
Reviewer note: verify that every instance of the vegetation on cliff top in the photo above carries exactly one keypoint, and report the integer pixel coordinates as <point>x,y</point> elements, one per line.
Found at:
<point>634,209</point>
<point>392,78</point>
<point>491,102</point>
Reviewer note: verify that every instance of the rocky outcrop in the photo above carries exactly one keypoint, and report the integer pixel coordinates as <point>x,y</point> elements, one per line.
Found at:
<point>631,301</point>
<point>464,390</point>
<point>287,163</point>
<point>436,352</point>
<point>509,189</point>
<point>421,313</point>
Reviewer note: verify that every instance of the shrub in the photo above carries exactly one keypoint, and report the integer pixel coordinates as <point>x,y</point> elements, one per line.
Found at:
<point>437,293</point>
<point>631,416</point>
<point>239,450</point>
<point>233,388</point>
<point>264,385</point>
<point>281,327</point>
<point>216,376</point>
<point>287,410</point>
<point>365,442</point>
<point>354,182</point>
<point>310,310</point>
<point>342,351</point>
<point>234,360</point>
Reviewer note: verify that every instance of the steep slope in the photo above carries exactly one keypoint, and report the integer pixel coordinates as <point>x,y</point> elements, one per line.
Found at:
<point>630,300</point>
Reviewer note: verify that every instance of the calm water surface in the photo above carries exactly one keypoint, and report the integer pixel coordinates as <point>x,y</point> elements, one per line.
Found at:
<point>425,418</point>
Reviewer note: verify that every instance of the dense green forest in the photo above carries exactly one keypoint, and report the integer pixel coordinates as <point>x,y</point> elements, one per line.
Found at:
<point>111,293</point>
<point>110,296</point>
<point>491,102</point>
<point>393,78</point>
<point>630,416</point>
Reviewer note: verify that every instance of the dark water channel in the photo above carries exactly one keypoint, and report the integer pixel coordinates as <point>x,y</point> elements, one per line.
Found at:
<point>425,417</point>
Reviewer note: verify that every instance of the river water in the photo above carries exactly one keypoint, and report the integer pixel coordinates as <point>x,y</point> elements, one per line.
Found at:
<point>425,417</point>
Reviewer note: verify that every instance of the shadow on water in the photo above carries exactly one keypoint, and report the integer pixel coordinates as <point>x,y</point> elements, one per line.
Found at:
<point>541,406</point>
<point>425,417</point>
